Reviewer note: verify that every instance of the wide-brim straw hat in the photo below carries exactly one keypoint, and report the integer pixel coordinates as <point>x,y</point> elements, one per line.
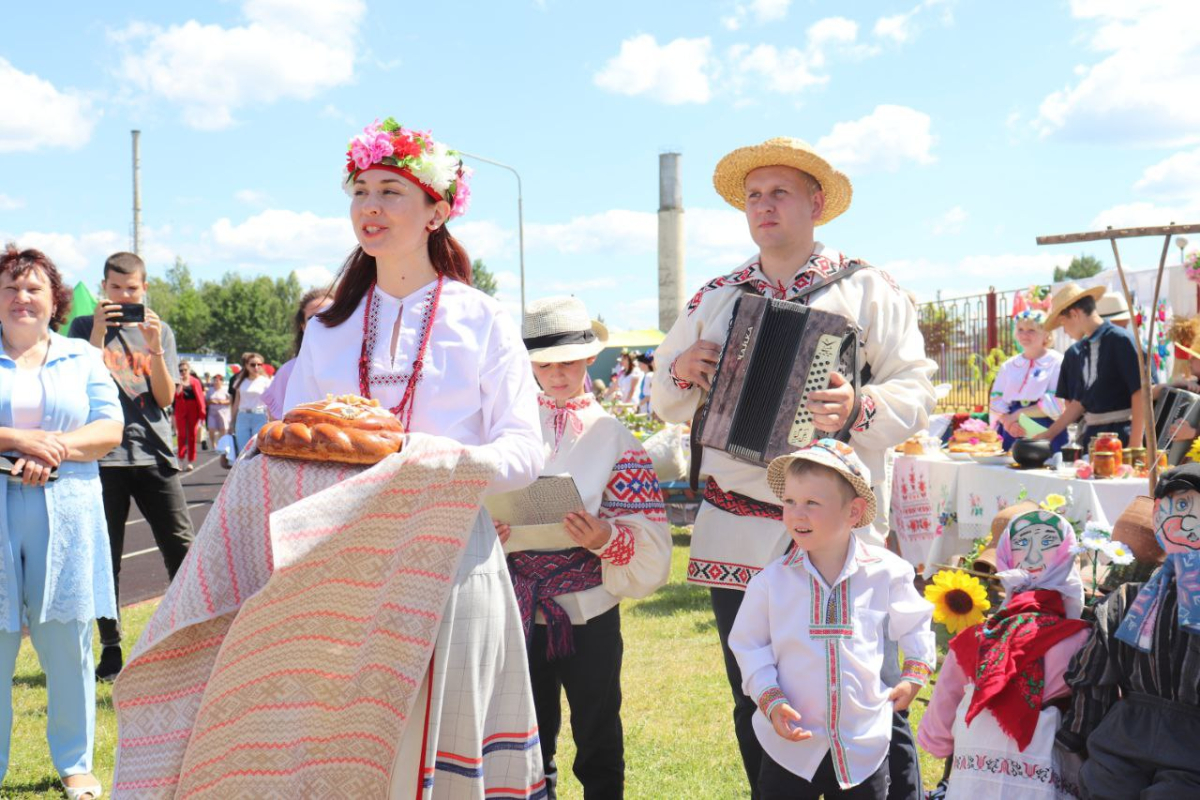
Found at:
<point>1112,307</point>
<point>1068,296</point>
<point>729,178</point>
<point>559,329</point>
<point>837,456</point>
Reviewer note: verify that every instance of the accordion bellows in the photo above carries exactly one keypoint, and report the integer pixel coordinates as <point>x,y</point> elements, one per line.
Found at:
<point>776,354</point>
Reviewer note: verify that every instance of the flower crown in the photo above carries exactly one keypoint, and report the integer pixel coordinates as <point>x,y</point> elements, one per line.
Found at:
<point>1037,315</point>
<point>437,169</point>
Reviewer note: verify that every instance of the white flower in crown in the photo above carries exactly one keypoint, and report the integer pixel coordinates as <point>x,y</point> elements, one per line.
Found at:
<point>438,167</point>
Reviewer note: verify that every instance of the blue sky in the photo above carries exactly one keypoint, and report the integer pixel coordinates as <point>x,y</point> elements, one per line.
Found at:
<point>967,131</point>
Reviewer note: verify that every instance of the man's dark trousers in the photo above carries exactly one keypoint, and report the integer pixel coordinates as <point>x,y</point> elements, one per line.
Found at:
<point>158,493</point>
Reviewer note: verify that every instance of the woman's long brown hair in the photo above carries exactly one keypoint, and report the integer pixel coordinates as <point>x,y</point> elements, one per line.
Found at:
<point>358,273</point>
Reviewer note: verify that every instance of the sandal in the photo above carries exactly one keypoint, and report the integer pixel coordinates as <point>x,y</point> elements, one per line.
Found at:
<point>91,791</point>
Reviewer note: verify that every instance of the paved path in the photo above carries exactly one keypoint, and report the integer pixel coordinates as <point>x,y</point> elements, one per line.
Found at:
<point>143,575</point>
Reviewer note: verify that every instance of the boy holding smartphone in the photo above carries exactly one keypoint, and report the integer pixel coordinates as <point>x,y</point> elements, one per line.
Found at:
<point>139,350</point>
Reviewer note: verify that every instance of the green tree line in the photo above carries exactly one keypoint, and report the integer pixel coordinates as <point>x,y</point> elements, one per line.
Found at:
<point>239,314</point>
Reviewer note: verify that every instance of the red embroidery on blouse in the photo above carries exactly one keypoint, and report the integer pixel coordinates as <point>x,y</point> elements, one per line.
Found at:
<point>619,550</point>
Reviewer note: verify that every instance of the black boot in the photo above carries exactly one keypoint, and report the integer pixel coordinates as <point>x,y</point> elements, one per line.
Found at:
<point>110,664</point>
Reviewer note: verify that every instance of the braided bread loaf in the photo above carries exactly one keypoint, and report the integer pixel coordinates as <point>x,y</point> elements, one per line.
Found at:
<point>348,429</point>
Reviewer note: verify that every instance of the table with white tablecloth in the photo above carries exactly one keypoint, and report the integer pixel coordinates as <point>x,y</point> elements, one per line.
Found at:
<point>939,506</point>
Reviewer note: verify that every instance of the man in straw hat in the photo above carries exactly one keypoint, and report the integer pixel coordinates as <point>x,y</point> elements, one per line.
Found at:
<point>569,588</point>
<point>786,189</point>
<point>1099,380</point>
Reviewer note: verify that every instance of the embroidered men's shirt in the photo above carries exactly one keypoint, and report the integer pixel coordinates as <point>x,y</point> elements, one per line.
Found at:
<point>727,550</point>
<point>1101,371</point>
<point>1028,382</point>
<point>820,648</point>
<point>617,483</point>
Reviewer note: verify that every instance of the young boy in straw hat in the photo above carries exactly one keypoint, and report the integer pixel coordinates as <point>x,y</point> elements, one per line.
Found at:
<point>786,189</point>
<point>621,548</point>
<point>825,609</point>
<point>1099,379</point>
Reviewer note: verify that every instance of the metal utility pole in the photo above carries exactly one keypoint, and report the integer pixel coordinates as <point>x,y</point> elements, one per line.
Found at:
<point>137,194</point>
<point>520,219</point>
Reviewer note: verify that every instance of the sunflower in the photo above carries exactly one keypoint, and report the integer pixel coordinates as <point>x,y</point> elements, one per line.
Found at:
<point>958,600</point>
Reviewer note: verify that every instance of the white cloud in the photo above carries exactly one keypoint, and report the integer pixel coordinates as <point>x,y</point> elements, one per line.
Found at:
<point>314,276</point>
<point>613,232</point>
<point>1142,215</point>
<point>37,115</point>
<point>285,49</point>
<point>81,256</point>
<point>674,73</point>
<point>791,70</point>
<point>760,10</point>
<point>973,273</point>
<point>885,139</point>
<point>10,203</point>
<point>717,237</point>
<point>950,223</point>
<point>903,28</point>
<point>1141,90</point>
<point>485,239</point>
<point>281,235</point>
<point>251,197</point>
<point>1176,177</point>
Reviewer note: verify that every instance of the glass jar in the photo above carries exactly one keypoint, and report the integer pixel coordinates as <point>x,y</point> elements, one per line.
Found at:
<point>1105,463</point>
<point>1109,443</point>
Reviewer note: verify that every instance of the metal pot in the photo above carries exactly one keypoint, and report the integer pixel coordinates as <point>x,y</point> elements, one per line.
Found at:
<point>1031,452</point>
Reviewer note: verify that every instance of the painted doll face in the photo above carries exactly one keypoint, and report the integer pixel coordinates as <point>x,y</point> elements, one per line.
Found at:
<point>1033,545</point>
<point>1176,522</point>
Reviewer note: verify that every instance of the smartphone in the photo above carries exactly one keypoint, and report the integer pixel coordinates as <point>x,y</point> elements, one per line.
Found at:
<point>131,312</point>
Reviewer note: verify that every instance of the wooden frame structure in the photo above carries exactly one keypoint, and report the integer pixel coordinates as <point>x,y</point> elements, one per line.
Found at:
<point>1112,235</point>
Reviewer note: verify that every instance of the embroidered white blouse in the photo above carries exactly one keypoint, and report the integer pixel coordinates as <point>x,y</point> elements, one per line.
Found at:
<point>1030,381</point>
<point>820,648</point>
<point>727,550</point>
<point>477,386</point>
<point>617,483</point>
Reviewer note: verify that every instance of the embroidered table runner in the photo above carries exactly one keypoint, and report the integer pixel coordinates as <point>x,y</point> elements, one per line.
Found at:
<point>289,649</point>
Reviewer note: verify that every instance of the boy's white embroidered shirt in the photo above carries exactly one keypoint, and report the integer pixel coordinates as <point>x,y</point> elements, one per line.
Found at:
<point>821,648</point>
<point>617,483</point>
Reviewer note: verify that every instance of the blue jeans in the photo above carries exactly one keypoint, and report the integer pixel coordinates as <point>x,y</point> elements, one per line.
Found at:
<point>64,649</point>
<point>248,423</point>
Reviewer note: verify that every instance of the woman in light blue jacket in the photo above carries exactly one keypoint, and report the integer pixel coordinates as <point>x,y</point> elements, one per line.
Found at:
<point>59,413</point>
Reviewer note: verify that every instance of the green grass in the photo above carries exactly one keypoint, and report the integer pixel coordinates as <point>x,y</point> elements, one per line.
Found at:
<point>677,708</point>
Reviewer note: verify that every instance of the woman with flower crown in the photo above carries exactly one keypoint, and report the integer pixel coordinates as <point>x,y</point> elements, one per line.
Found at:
<point>1025,384</point>
<point>995,707</point>
<point>406,327</point>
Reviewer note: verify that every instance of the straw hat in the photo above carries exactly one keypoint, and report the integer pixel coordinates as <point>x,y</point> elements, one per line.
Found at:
<point>835,455</point>
<point>559,329</point>
<point>729,179</point>
<point>1112,307</point>
<point>1066,296</point>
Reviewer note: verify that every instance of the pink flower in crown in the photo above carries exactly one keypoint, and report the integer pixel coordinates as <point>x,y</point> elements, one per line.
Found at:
<point>462,193</point>
<point>370,148</point>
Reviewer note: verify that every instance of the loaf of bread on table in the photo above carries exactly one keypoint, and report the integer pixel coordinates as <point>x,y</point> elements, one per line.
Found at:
<point>347,429</point>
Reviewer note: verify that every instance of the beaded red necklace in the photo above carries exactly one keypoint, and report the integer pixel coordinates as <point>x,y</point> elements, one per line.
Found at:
<point>404,409</point>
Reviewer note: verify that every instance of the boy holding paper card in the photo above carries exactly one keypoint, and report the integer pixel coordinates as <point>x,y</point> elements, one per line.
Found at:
<point>618,546</point>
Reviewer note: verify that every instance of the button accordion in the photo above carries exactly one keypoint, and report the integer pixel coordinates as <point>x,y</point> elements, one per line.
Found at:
<point>776,354</point>
<point>1174,405</point>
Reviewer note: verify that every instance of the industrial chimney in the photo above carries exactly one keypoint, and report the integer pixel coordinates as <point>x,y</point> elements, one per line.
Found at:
<point>671,286</point>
